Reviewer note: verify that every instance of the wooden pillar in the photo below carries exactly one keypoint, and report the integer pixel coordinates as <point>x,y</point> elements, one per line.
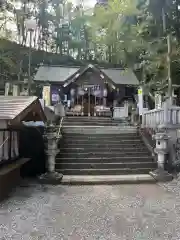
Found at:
<point>89,103</point>
<point>82,105</point>
<point>95,105</point>
<point>114,103</point>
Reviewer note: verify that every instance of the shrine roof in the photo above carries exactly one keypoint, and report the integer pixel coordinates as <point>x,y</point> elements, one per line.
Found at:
<point>54,73</point>
<point>60,74</point>
<point>121,76</point>
<point>18,107</point>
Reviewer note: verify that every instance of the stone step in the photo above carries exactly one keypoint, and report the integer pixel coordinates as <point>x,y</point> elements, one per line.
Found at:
<point>98,130</point>
<point>94,123</point>
<point>102,154</point>
<point>101,136</point>
<point>102,141</point>
<point>108,179</point>
<point>91,118</point>
<point>100,120</point>
<point>105,171</point>
<point>103,144</point>
<point>95,159</point>
<point>90,123</point>
<point>110,165</point>
<point>123,127</point>
<point>106,120</point>
<point>122,135</point>
<point>90,148</point>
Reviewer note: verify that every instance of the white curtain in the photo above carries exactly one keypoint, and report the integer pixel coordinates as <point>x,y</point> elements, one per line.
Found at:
<point>14,145</point>
<point>5,144</point>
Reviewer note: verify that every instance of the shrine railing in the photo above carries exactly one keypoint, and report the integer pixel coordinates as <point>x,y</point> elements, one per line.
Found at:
<point>153,118</point>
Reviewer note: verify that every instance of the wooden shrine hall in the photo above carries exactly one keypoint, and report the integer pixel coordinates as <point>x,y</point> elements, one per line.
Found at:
<point>87,90</point>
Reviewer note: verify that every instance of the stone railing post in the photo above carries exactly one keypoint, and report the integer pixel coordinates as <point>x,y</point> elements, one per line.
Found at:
<point>51,137</point>
<point>143,120</point>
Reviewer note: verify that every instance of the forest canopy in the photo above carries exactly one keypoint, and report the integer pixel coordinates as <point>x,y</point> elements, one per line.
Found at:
<point>124,33</point>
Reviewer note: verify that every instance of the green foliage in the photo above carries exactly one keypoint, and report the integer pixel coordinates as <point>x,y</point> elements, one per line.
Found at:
<point>13,53</point>
<point>155,58</point>
<point>120,33</point>
<point>115,31</point>
<point>131,32</point>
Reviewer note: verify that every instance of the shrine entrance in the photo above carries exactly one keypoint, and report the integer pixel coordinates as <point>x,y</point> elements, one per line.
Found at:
<point>88,109</point>
<point>89,98</point>
<point>88,93</point>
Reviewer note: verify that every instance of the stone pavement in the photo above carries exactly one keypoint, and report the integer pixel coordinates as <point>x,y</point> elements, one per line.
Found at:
<point>118,212</point>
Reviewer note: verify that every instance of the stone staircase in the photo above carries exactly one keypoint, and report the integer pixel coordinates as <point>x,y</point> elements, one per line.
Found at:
<point>102,150</point>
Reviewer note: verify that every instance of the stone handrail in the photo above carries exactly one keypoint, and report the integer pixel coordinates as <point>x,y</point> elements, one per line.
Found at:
<point>153,118</point>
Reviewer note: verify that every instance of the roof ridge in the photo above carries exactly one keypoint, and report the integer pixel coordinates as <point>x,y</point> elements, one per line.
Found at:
<point>80,66</point>
<point>66,66</point>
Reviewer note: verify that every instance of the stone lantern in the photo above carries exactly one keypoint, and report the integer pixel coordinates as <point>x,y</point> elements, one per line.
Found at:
<point>51,138</point>
<point>161,150</point>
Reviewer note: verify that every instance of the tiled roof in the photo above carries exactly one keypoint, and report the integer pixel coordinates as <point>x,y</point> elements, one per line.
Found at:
<point>11,107</point>
<point>120,76</point>
<point>54,73</point>
<point>60,74</point>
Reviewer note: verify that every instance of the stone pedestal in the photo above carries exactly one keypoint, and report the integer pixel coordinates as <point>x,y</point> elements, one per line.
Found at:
<point>161,150</point>
<point>161,176</point>
<point>51,176</point>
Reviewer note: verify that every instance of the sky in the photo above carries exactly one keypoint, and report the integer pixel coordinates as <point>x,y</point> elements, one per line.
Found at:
<point>87,3</point>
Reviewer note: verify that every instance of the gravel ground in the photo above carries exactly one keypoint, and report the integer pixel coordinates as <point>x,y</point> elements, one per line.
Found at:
<point>121,212</point>
<point>172,186</point>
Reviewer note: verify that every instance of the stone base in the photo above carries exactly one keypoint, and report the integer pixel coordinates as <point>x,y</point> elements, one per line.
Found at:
<point>161,176</point>
<point>53,178</point>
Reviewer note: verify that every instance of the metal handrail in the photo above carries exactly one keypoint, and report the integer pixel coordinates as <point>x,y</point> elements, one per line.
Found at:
<point>60,126</point>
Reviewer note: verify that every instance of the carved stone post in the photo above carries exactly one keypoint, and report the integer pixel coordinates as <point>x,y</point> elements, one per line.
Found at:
<point>51,137</point>
<point>161,150</point>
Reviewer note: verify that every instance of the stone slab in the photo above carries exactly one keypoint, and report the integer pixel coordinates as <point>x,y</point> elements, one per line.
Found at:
<point>51,178</point>
<point>108,179</point>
